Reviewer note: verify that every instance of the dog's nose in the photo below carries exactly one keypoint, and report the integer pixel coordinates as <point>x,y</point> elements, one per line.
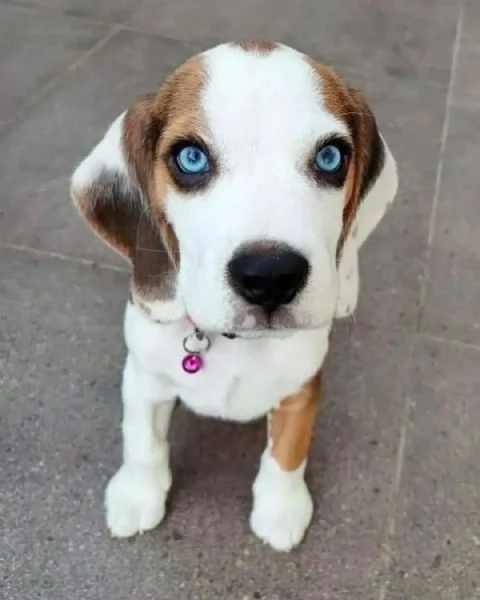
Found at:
<point>268,278</point>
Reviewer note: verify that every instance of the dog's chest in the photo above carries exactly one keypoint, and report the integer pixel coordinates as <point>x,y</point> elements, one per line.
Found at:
<point>241,379</point>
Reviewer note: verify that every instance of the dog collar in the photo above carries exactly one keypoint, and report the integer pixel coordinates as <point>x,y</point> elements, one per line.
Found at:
<point>196,344</point>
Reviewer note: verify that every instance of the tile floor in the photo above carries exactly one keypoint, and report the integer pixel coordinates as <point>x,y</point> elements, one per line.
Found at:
<point>394,467</point>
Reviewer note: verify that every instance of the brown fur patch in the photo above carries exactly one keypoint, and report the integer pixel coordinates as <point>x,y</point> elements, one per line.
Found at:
<point>291,425</point>
<point>350,106</point>
<point>156,120</point>
<point>150,129</point>
<point>129,215</point>
<point>151,126</point>
<point>258,46</point>
<point>110,219</point>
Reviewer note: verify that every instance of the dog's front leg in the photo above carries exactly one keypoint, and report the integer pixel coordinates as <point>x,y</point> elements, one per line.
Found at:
<point>282,505</point>
<point>136,495</point>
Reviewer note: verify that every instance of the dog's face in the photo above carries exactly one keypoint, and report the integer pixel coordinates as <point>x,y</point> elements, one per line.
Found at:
<point>234,188</point>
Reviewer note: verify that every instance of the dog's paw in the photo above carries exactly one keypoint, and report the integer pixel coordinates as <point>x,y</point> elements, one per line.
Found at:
<point>135,499</point>
<point>281,513</point>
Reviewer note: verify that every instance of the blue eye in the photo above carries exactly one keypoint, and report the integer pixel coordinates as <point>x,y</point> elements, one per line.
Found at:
<point>192,160</point>
<point>329,159</point>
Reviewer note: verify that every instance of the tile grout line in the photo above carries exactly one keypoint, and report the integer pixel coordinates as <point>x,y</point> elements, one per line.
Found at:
<point>440,165</point>
<point>210,41</point>
<point>120,25</point>
<point>448,341</point>
<point>115,28</point>
<point>397,478</point>
<point>6,128</point>
<point>400,459</point>
<point>64,257</point>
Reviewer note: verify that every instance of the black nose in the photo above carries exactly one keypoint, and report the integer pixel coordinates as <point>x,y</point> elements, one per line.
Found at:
<point>268,278</point>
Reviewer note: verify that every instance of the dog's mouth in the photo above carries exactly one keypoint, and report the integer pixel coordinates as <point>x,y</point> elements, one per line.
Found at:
<point>282,321</point>
<point>249,326</point>
<point>255,323</point>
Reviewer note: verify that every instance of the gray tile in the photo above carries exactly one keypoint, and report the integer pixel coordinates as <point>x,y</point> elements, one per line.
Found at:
<point>61,357</point>
<point>437,546</point>
<point>104,10</point>
<point>458,215</point>
<point>410,116</point>
<point>471,19</point>
<point>353,460</point>
<point>34,49</point>
<point>452,308</point>
<point>466,91</point>
<point>406,39</point>
<point>38,157</point>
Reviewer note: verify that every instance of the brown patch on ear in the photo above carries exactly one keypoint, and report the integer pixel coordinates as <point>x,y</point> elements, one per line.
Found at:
<point>111,207</point>
<point>126,207</point>
<point>367,160</point>
<point>141,134</point>
<point>151,125</point>
<point>258,46</point>
<point>154,259</point>
<point>118,214</point>
<point>291,425</point>
<point>153,122</point>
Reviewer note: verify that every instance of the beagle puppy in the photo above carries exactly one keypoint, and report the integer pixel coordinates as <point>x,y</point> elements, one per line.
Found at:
<point>240,192</point>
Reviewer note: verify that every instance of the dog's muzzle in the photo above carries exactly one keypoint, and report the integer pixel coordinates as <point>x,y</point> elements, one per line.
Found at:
<point>269,276</point>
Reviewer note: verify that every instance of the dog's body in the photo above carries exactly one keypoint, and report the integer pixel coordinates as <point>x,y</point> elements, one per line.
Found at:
<point>241,194</point>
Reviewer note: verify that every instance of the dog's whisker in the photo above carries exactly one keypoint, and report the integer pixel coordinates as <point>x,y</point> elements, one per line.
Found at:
<point>350,324</point>
<point>158,275</point>
<point>353,112</point>
<point>156,250</point>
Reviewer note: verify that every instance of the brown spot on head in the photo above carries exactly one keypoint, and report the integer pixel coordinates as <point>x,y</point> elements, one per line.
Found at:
<point>366,162</point>
<point>257,46</point>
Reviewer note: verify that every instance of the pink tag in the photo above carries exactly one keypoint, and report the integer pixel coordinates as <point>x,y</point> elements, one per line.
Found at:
<point>192,363</point>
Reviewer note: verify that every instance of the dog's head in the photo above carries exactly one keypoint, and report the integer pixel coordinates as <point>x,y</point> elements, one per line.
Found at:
<point>237,189</point>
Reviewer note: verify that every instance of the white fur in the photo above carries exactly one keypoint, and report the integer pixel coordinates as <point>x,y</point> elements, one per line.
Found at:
<point>379,198</point>
<point>107,155</point>
<point>230,387</point>
<point>282,505</point>
<point>369,214</point>
<point>136,495</point>
<point>263,115</point>
<point>348,279</point>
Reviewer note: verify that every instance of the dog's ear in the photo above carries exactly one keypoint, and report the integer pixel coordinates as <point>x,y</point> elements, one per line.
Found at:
<point>113,190</point>
<point>372,183</point>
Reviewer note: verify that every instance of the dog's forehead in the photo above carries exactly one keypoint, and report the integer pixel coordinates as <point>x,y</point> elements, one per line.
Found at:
<point>265,91</point>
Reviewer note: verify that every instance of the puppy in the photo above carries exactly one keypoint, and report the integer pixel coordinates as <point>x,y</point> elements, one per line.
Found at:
<point>240,192</point>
